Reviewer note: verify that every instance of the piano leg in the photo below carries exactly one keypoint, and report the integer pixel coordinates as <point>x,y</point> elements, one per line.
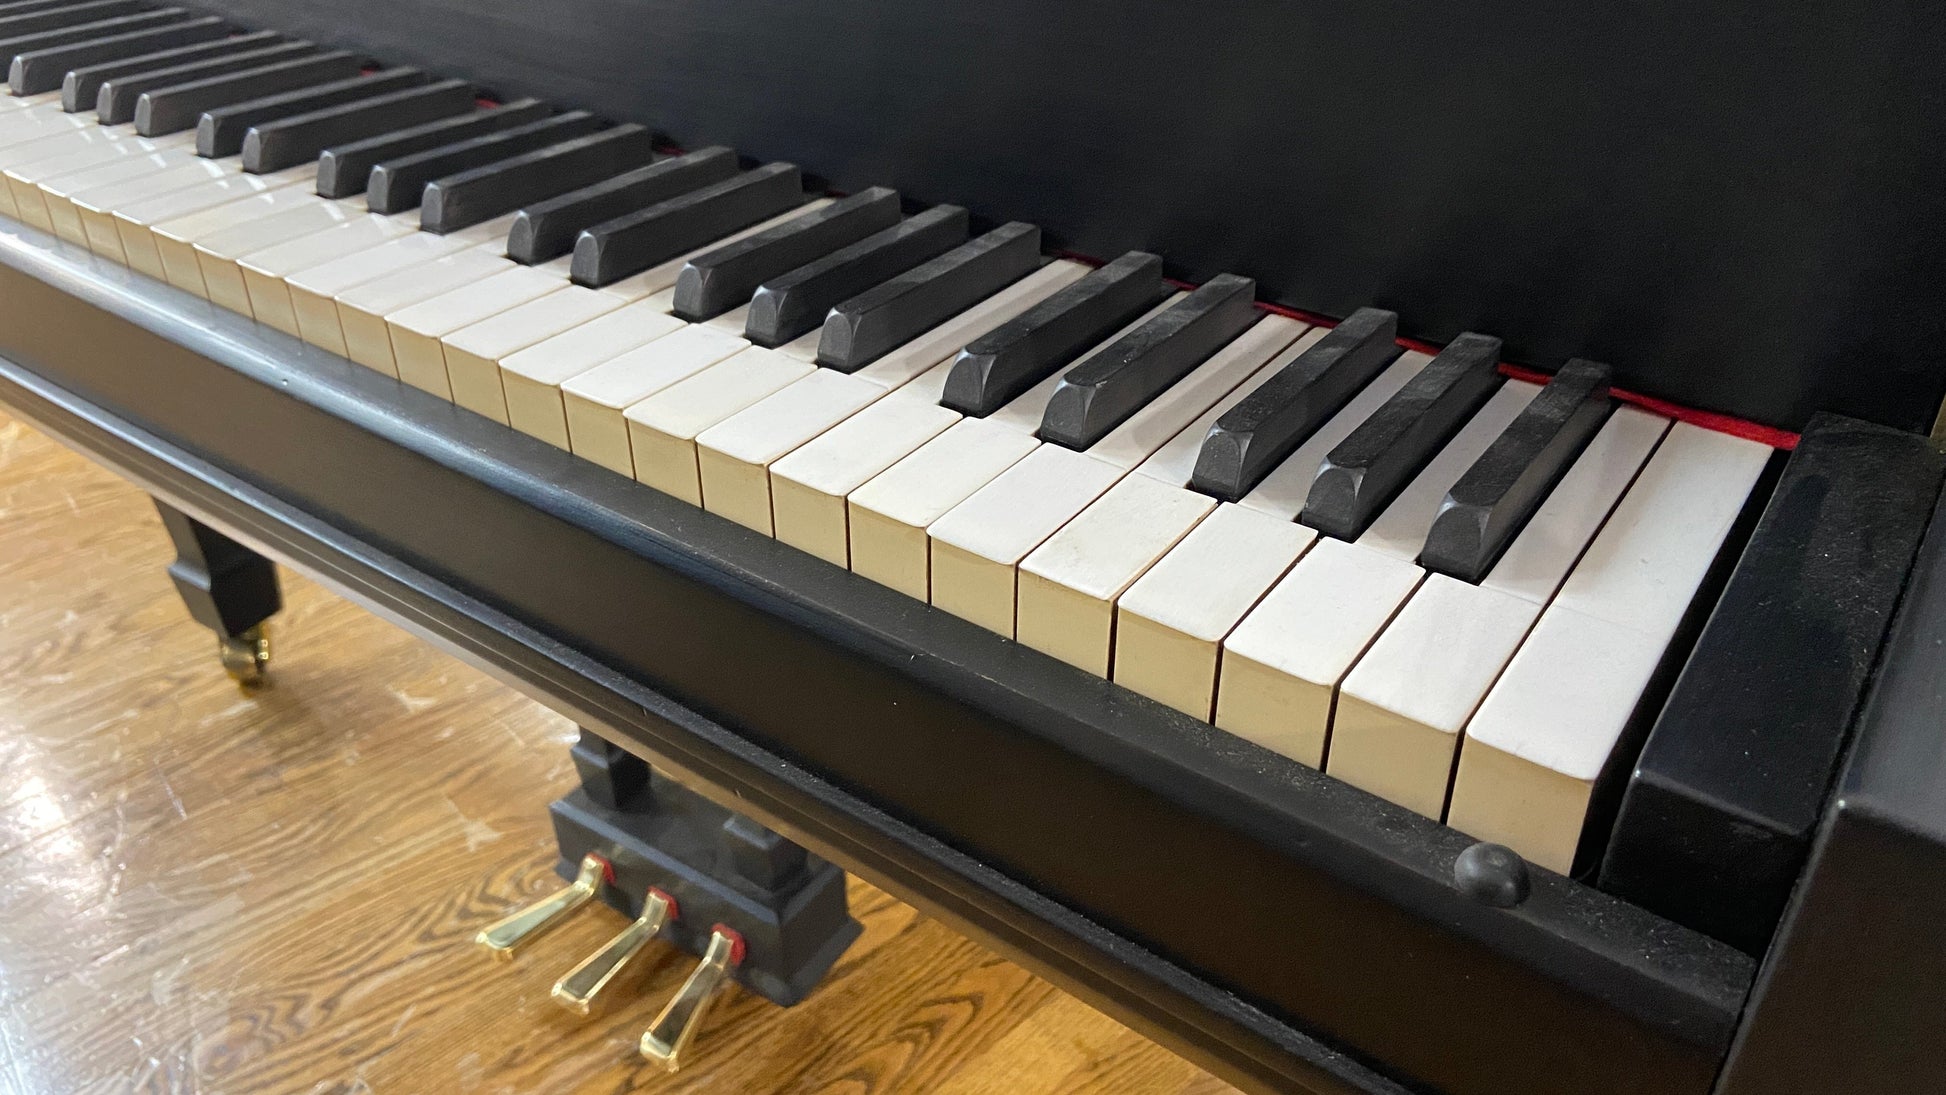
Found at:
<point>228,588</point>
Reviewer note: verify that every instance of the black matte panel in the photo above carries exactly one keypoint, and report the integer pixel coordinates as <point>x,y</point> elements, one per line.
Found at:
<point>864,328</point>
<point>712,284</point>
<point>478,194</point>
<point>88,32</point>
<point>81,86</point>
<point>787,307</point>
<point>1027,349</point>
<point>56,18</point>
<point>1727,794</point>
<point>43,70</point>
<point>614,249</point>
<point>398,184</point>
<point>220,131</point>
<point>1374,462</point>
<point>345,169</point>
<point>172,106</point>
<point>546,230</point>
<point>1100,393</point>
<point>287,142</point>
<point>1254,436</point>
<point>1492,501</point>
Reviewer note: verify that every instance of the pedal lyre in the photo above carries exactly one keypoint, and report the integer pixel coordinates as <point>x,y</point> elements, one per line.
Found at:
<point>578,989</point>
<point>682,1017</point>
<point>504,936</point>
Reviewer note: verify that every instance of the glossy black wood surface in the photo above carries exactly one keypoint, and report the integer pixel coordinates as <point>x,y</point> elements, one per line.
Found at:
<point>1286,929</point>
<point>1739,206</point>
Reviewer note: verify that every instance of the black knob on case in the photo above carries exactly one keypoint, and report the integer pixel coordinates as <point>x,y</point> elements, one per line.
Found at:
<point>1492,874</point>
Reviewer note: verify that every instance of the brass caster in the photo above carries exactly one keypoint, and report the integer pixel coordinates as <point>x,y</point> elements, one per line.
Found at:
<point>246,656</point>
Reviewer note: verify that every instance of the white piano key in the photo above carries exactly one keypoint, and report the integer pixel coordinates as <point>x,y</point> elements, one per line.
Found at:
<point>1400,530</point>
<point>596,399</point>
<point>56,158</point>
<point>1176,459</point>
<point>1170,625</point>
<point>313,291</point>
<point>661,279</point>
<point>734,456</point>
<point>1168,414</point>
<point>1400,711</point>
<point>175,240</point>
<point>1283,492</point>
<point>217,253</point>
<point>11,102</point>
<point>474,353</point>
<point>96,206</point>
<point>977,546</point>
<point>887,517</point>
<point>1068,585</point>
<point>1539,742</point>
<point>531,379</point>
<point>362,308</point>
<point>416,329</point>
<point>264,271</point>
<point>808,487</point>
<point>134,223</point>
<point>57,191</point>
<point>662,429</point>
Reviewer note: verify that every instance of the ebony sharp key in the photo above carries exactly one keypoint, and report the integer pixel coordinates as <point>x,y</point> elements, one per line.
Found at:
<point>712,284</point>
<point>51,17</point>
<point>287,142</point>
<point>1368,468</point>
<point>1252,437</point>
<point>864,328</point>
<point>396,185</point>
<point>785,308</point>
<point>220,132</point>
<point>632,243</point>
<point>546,230</point>
<point>174,106</point>
<point>1497,495</point>
<point>42,70</point>
<point>1098,394</point>
<point>1025,350</point>
<point>88,32</point>
<point>482,193</point>
<point>344,169</point>
<point>80,87</point>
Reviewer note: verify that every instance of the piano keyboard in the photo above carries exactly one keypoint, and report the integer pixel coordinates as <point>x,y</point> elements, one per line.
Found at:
<point>1446,587</point>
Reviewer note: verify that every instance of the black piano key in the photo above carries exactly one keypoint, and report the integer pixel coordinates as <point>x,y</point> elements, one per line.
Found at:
<point>864,328</point>
<point>80,87</point>
<point>1369,468</point>
<point>170,107</point>
<point>1725,799</point>
<point>1254,436</point>
<point>87,32</point>
<point>712,284</point>
<point>785,308</point>
<point>859,331</point>
<point>344,169</point>
<point>1027,349</point>
<point>220,131</point>
<point>1100,393</point>
<point>397,184</point>
<point>42,70</point>
<point>55,17</point>
<point>1493,500</point>
<point>629,244</point>
<point>287,142</point>
<point>546,230</point>
<point>29,7</point>
<point>478,194</point>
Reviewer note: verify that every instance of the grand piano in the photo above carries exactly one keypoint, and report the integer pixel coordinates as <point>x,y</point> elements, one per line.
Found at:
<point>1389,547</point>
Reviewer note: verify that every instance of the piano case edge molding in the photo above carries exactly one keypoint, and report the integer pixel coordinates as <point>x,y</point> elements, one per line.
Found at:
<point>172,390</point>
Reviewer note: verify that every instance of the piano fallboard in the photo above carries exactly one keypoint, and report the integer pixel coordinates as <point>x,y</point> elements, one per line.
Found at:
<point>1283,928</point>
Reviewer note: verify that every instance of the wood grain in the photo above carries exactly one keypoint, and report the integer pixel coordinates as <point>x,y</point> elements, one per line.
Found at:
<point>202,890</point>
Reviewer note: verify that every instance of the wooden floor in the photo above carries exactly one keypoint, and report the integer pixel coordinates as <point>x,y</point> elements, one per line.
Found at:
<point>212,892</point>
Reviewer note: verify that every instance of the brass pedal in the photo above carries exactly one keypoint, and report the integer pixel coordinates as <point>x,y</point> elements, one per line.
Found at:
<point>578,989</point>
<point>673,1030</point>
<point>502,937</point>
